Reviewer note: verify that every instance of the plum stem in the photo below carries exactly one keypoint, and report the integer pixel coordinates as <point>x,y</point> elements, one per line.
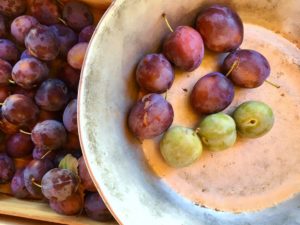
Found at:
<point>11,81</point>
<point>197,130</point>
<point>35,183</point>
<point>166,95</point>
<point>61,20</point>
<point>47,153</point>
<point>167,22</point>
<point>234,65</point>
<point>24,132</point>
<point>271,83</point>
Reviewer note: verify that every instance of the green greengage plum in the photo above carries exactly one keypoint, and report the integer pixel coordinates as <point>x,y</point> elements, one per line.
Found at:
<point>180,146</point>
<point>253,119</point>
<point>217,131</point>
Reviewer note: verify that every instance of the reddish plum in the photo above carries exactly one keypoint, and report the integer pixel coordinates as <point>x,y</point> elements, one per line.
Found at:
<point>76,55</point>
<point>12,8</point>
<point>5,72</point>
<point>33,174</point>
<point>150,116</point>
<point>212,93</point>
<point>86,180</point>
<point>77,15</point>
<point>251,70</point>
<point>19,110</point>
<point>70,117</point>
<point>155,73</point>
<point>46,11</point>
<point>49,134</point>
<point>52,95</point>
<point>95,208</point>
<point>221,28</point>
<point>17,185</point>
<point>184,47</point>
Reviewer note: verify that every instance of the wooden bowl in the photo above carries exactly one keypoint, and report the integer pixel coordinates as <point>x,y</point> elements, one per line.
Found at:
<point>38,210</point>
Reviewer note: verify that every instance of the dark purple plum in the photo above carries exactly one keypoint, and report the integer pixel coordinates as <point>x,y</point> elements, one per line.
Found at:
<point>45,11</point>
<point>77,15</point>
<point>17,185</point>
<point>70,117</point>
<point>12,8</point>
<point>52,95</point>
<point>33,174</point>
<point>70,76</point>
<point>8,51</point>
<point>212,93</point>
<point>221,28</point>
<point>42,43</point>
<point>95,208</point>
<point>20,110</point>
<point>155,73</point>
<point>49,134</point>
<point>150,116</point>
<point>20,27</point>
<point>76,55</point>
<point>86,33</point>
<point>86,180</point>
<point>5,72</point>
<point>7,168</point>
<point>71,206</point>
<point>59,184</point>
<point>66,36</point>
<point>252,68</point>
<point>19,145</point>
<point>29,73</point>
<point>184,48</point>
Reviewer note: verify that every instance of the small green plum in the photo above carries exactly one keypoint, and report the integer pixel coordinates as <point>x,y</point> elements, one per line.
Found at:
<point>180,146</point>
<point>253,119</point>
<point>217,131</point>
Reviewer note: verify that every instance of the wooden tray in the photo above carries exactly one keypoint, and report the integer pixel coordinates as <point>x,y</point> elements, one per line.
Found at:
<point>39,210</point>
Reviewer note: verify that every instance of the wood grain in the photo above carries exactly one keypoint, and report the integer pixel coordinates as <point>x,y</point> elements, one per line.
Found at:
<point>39,210</point>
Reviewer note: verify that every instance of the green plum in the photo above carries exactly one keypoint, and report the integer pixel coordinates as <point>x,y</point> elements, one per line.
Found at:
<point>253,119</point>
<point>217,131</point>
<point>180,146</point>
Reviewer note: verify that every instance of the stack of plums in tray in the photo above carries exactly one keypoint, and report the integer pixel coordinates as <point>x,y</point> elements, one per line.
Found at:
<point>42,47</point>
<point>220,30</point>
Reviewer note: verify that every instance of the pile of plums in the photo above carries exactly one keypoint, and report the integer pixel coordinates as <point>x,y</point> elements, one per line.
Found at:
<point>220,30</point>
<point>42,47</point>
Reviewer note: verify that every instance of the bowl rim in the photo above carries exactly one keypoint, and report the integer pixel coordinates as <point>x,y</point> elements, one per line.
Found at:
<point>98,28</point>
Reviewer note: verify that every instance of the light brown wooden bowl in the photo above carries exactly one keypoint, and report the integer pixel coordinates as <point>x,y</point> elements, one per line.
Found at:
<point>36,209</point>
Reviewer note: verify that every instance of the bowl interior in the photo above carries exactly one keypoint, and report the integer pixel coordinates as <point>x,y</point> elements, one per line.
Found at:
<point>129,30</point>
